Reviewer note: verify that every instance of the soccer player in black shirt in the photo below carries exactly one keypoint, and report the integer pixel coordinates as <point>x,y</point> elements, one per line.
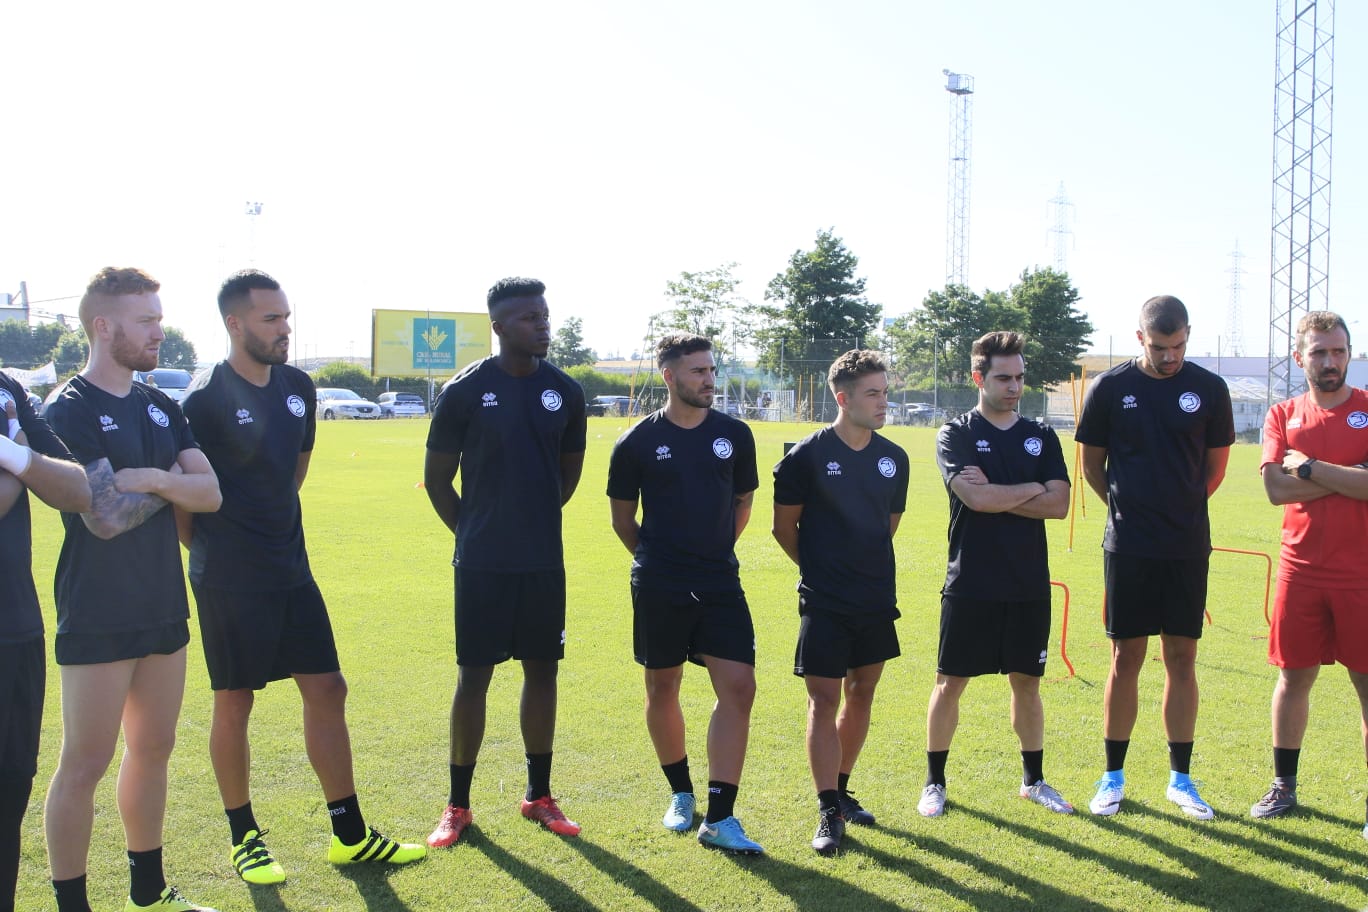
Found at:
<point>121,607</point>
<point>694,471</point>
<point>32,458</point>
<point>513,424</point>
<point>838,497</point>
<point>261,615</point>
<point>1156,435</point>
<point>1005,476</point>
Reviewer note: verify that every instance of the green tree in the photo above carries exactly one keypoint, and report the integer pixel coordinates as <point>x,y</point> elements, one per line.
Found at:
<point>177,350</point>
<point>567,345</point>
<point>1056,332</point>
<point>817,305</point>
<point>27,347</point>
<point>706,303</point>
<point>70,353</point>
<point>343,375</point>
<point>940,334</point>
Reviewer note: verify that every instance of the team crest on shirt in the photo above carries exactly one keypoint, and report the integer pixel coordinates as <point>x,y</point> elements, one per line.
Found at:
<point>107,423</point>
<point>1357,420</point>
<point>1033,445</point>
<point>833,468</point>
<point>1128,401</point>
<point>887,467</point>
<point>722,447</point>
<point>551,400</point>
<point>983,446</point>
<point>244,416</point>
<point>295,405</point>
<point>158,416</point>
<point>1189,402</point>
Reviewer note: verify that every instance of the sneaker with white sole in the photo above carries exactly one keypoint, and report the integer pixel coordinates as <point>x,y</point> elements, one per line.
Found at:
<point>1191,803</point>
<point>1107,801</point>
<point>680,814</point>
<point>932,803</point>
<point>727,835</point>
<point>1044,794</point>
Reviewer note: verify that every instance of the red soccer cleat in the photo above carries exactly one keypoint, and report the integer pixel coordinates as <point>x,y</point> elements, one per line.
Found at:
<point>546,812</point>
<point>449,829</point>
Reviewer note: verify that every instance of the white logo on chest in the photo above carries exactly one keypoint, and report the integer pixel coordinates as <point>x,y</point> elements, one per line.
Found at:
<point>244,416</point>
<point>1128,401</point>
<point>295,405</point>
<point>887,467</point>
<point>1357,420</point>
<point>1189,402</point>
<point>158,416</point>
<point>489,400</point>
<point>722,448</point>
<point>107,423</point>
<point>833,468</point>
<point>662,452</point>
<point>983,446</point>
<point>551,400</point>
<point>1033,445</point>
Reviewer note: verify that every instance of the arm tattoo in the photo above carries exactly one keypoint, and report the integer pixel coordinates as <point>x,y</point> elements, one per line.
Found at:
<point>112,512</point>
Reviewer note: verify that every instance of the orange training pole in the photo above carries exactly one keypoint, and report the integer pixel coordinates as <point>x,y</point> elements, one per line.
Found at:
<point>1064,631</point>
<point>1268,576</point>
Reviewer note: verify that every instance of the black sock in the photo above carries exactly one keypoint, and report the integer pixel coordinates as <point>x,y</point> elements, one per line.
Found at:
<point>1116,753</point>
<point>677,774</point>
<point>460,785</point>
<point>71,895</point>
<point>843,782</point>
<point>145,878</point>
<point>721,800</point>
<point>829,801</point>
<point>935,767</point>
<point>241,821</point>
<point>347,823</point>
<point>1180,756</point>
<point>1032,767</point>
<point>14,796</point>
<point>538,776</point>
<point>1285,761</point>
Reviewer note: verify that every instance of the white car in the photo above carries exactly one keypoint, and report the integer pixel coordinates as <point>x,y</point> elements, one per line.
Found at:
<point>343,403</point>
<point>401,405</point>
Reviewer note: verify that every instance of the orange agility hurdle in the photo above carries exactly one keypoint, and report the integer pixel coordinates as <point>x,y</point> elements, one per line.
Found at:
<point>1064,632</point>
<point>1268,576</point>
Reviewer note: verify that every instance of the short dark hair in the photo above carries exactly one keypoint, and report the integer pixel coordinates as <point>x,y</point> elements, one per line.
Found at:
<point>1163,314</point>
<point>513,287</point>
<point>993,344</point>
<point>853,365</point>
<point>237,289</point>
<point>1320,321</point>
<point>676,345</point>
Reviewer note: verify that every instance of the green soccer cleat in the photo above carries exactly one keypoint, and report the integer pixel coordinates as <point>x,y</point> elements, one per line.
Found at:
<point>253,861</point>
<point>169,901</point>
<point>375,848</point>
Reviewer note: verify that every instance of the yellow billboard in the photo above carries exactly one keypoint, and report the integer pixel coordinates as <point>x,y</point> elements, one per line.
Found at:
<point>422,343</point>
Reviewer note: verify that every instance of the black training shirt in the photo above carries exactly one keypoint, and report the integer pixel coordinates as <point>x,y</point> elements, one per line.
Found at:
<point>1157,433</point>
<point>20,617</point>
<point>253,437</point>
<point>510,433</point>
<point>845,548</point>
<point>998,557</point>
<point>134,580</point>
<point>688,481</point>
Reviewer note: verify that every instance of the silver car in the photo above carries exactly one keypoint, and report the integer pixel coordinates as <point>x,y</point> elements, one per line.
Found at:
<point>343,403</point>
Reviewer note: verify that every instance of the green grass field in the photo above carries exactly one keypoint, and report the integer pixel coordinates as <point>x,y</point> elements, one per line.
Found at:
<point>383,561</point>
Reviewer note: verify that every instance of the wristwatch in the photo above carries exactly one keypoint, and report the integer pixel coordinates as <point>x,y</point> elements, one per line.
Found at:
<point>1304,470</point>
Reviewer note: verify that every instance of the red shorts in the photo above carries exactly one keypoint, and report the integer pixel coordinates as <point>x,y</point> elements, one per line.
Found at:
<point>1316,626</point>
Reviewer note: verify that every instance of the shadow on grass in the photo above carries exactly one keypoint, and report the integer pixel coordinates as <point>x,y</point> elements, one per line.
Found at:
<point>267,898</point>
<point>810,889</point>
<point>1212,884</point>
<point>630,877</point>
<point>550,890</point>
<point>372,883</point>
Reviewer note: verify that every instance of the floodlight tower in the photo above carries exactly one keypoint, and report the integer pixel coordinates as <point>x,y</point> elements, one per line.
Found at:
<point>1062,208</point>
<point>1302,108</point>
<point>1234,317</point>
<point>961,89</point>
<point>251,210</point>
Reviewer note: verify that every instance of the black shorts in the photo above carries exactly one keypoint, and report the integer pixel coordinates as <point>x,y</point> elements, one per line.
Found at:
<point>979,637</point>
<point>830,643</point>
<point>502,616</point>
<point>23,670</point>
<point>102,648</point>
<point>669,627</point>
<point>1147,596</point>
<point>253,638</point>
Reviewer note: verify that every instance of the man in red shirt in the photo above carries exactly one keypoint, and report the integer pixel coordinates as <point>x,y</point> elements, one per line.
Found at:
<point>1314,455</point>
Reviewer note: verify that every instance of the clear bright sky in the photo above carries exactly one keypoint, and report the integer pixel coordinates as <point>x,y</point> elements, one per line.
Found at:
<point>407,155</point>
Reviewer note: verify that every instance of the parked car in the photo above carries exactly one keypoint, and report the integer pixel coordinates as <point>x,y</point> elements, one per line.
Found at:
<point>609,405</point>
<point>343,403</point>
<point>170,380</point>
<point>401,405</point>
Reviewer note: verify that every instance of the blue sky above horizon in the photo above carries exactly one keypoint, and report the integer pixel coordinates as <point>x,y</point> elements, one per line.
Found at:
<point>407,156</point>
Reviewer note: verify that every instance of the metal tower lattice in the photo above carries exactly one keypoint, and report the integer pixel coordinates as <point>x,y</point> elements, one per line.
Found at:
<point>1062,208</point>
<point>1302,109</point>
<point>961,89</point>
<point>1234,317</point>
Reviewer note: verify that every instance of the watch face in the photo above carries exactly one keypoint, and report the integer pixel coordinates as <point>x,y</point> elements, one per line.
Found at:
<point>1304,470</point>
